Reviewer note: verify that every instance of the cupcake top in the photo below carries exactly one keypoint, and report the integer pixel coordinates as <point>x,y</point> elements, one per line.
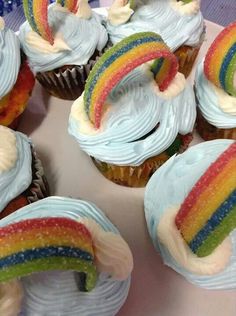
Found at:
<point>215,80</point>
<point>9,51</point>
<point>83,240</point>
<point>200,247</point>
<point>15,164</point>
<point>74,37</point>
<point>178,23</point>
<point>141,117</point>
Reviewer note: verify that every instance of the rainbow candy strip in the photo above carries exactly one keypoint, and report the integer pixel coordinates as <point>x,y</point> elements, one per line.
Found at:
<point>220,61</point>
<point>71,5</point>
<point>118,61</point>
<point>43,244</point>
<point>36,12</point>
<point>208,214</point>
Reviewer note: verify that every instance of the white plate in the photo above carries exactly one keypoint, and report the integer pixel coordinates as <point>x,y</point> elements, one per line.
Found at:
<point>155,290</point>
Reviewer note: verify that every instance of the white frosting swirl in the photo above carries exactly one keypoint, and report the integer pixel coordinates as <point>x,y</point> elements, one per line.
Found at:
<point>175,27</point>
<point>57,293</point>
<point>112,253</point>
<point>136,107</point>
<point>9,52</point>
<point>190,8</point>
<point>8,149</point>
<point>177,177</point>
<point>84,10</point>
<point>119,13</point>
<point>71,47</point>
<point>17,177</point>
<point>10,298</point>
<point>217,107</point>
<point>171,238</point>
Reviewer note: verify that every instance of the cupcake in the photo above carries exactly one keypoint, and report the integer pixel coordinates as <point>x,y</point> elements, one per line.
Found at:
<point>215,88</point>
<point>130,121</point>
<point>191,216</point>
<point>70,259</point>
<point>180,24</point>
<point>62,45</point>
<point>16,79</point>
<point>22,179</point>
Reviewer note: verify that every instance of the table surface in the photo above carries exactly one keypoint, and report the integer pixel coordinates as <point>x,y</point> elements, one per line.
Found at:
<point>155,289</point>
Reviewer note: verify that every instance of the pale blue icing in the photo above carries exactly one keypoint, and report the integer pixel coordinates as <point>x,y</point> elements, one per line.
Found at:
<point>175,28</point>
<point>208,102</point>
<point>135,110</point>
<point>16,180</point>
<point>9,60</point>
<point>56,293</point>
<point>81,35</point>
<point>177,177</point>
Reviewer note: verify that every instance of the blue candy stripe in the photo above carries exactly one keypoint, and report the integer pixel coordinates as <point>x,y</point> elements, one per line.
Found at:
<point>156,67</point>
<point>225,65</point>
<point>47,252</point>
<point>31,15</point>
<point>111,59</point>
<point>213,222</point>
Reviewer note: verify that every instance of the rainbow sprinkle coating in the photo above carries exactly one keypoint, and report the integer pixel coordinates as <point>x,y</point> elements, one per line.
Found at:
<point>220,61</point>
<point>119,60</point>
<point>208,214</point>
<point>71,5</point>
<point>43,244</point>
<point>36,13</point>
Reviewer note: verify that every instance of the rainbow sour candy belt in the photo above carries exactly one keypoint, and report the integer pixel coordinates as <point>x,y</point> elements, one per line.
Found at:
<point>42,244</point>
<point>208,214</point>
<point>220,61</point>
<point>36,12</point>
<point>71,5</point>
<point>119,60</point>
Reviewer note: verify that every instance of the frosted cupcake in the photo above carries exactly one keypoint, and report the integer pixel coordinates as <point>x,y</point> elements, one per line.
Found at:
<point>215,88</point>
<point>191,216</point>
<point>62,45</point>
<point>70,259</point>
<point>22,179</point>
<point>148,116</point>
<point>16,79</point>
<point>180,24</point>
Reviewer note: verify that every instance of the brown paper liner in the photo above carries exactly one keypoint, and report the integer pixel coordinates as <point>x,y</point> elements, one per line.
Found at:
<point>138,176</point>
<point>186,56</point>
<point>37,190</point>
<point>67,82</point>
<point>210,132</point>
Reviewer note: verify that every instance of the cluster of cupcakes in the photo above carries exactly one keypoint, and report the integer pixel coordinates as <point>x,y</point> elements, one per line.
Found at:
<point>134,114</point>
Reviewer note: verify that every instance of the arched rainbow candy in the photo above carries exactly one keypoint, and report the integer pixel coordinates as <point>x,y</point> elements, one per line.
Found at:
<point>119,60</point>
<point>208,214</point>
<point>36,13</point>
<point>220,61</point>
<point>71,5</point>
<point>44,244</point>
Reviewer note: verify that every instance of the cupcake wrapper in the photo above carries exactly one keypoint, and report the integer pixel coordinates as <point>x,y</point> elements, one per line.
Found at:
<point>138,176</point>
<point>68,82</point>
<point>37,190</point>
<point>210,132</point>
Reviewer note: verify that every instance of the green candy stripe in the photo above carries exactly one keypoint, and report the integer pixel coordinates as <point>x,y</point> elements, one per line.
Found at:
<point>95,71</point>
<point>187,1</point>
<point>28,10</point>
<point>230,77</point>
<point>52,263</point>
<point>218,235</point>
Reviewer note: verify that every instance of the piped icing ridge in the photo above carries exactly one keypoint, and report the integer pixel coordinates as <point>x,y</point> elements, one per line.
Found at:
<point>9,51</point>
<point>16,173</point>
<point>215,271</point>
<point>36,286</point>
<point>218,108</point>
<point>162,17</point>
<point>71,46</point>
